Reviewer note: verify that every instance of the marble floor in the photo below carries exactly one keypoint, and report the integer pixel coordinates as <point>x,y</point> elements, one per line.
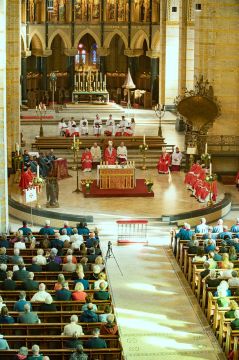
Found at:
<point>158,315</point>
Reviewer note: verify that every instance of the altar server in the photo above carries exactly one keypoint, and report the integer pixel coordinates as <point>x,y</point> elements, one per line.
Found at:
<point>129,130</point>
<point>84,126</point>
<point>123,124</point>
<point>110,126</point>
<point>176,160</point>
<point>110,154</point>
<point>122,153</point>
<point>62,127</point>
<point>97,126</point>
<point>164,163</point>
<point>86,160</point>
<point>96,154</point>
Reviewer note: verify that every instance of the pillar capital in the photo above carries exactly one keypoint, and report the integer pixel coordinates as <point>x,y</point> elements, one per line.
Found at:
<point>153,54</point>
<point>26,53</point>
<point>133,52</point>
<point>70,52</point>
<point>103,51</point>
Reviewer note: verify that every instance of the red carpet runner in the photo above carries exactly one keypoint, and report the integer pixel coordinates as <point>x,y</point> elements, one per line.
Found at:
<point>139,191</point>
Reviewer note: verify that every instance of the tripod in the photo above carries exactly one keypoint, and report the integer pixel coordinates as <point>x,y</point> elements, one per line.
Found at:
<point>110,254</point>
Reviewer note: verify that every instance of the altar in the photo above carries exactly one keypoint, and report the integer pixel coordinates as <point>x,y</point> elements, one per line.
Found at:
<point>91,96</point>
<point>116,176</point>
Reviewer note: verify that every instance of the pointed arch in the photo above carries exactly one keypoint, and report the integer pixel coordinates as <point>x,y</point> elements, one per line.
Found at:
<point>37,41</point>
<point>138,40</point>
<point>65,38</point>
<point>110,37</point>
<point>156,41</point>
<point>83,33</point>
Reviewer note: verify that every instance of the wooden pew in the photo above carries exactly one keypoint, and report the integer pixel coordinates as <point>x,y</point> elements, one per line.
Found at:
<point>64,354</point>
<point>51,283</point>
<point>54,342</point>
<point>62,306</point>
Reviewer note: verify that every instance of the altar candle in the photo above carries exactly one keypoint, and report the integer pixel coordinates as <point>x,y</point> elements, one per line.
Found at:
<point>75,79</point>
<point>98,85</point>
<point>144,139</point>
<point>74,139</point>
<point>81,86</point>
<point>105,80</point>
<point>206,148</point>
<point>94,85</point>
<point>38,171</point>
<point>210,169</point>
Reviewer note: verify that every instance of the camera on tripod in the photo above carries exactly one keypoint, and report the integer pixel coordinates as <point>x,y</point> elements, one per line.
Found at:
<point>109,246</point>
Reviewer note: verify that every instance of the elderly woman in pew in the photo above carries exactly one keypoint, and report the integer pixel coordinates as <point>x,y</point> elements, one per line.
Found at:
<point>223,287</point>
<point>199,257</point>
<point>22,354</point>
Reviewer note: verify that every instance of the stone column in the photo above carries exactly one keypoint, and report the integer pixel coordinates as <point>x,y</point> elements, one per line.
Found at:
<point>44,73</point>
<point>162,60</point>
<point>24,79</point>
<point>154,69</point>
<point>172,50</point>
<point>3,134</point>
<point>217,58</point>
<point>13,74</point>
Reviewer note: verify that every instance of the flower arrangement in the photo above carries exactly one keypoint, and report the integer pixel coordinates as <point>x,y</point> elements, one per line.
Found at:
<point>205,157</point>
<point>211,178</point>
<point>87,183</point>
<point>143,148</point>
<point>38,181</point>
<point>149,183</point>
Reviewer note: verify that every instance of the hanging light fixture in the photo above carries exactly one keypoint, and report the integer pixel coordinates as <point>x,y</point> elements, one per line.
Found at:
<point>50,5</point>
<point>198,7</point>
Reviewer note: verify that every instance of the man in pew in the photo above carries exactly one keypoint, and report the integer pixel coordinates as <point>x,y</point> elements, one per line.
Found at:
<point>67,227</point>
<point>96,342</point>
<point>217,256</point>
<point>41,295</point>
<point>3,343</point>
<point>8,283</point>
<point>225,234</point>
<point>52,265</point>
<point>102,294</point>
<point>69,266</point>
<point>3,256</point>
<point>19,305</point>
<point>74,330</point>
<point>185,233</point>
<point>3,272</point>
<point>79,354</point>
<point>64,294</point>
<point>30,284</point>
<point>91,240</point>
<point>16,259</point>
<point>64,237</point>
<point>56,242</point>
<point>21,274</point>
<point>193,246</point>
<point>34,267</point>
<point>89,314</point>
<point>219,227</point>
<point>36,354</point>
<point>25,229</point>
<point>235,227</point>
<point>48,305</point>
<point>47,229</point>
<point>28,317</point>
<point>234,281</point>
<point>202,228</point>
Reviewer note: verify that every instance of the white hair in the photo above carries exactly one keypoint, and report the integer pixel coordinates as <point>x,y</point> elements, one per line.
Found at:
<point>42,287</point>
<point>47,222</point>
<point>66,223</point>
<point>35,349</point>
<point>74,318</point>
<point>220,222</point>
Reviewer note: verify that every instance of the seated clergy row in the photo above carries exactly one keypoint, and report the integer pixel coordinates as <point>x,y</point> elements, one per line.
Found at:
<point>123,128</point>
<point>92,157</point>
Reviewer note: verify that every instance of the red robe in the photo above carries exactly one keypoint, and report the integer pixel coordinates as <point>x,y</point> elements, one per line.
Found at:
<point>86,160</point>
<point>237,179</point>
<point>110,156</point>
<point>26,179</point>
<point>164,163</point>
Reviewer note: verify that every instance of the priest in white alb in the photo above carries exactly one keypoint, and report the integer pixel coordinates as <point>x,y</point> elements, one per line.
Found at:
<point>84,126</point>
<point>122,153</point>
<point>176,160</point>
<point>96,154</point>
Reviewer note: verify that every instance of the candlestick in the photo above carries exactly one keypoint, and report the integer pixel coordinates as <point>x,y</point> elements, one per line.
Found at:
<point>98,85</point>
<point>105,80</point>
<point>38,171</point>
<point>74,79</point>
<point>81,86</point>
<point>206,148</point>
<point>17,148</point>
<point>74,139</point>
<point>210,169</point>
<point>144,139</point>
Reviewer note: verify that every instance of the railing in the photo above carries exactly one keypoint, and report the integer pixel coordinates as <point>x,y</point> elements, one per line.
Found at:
<point>223,143</point>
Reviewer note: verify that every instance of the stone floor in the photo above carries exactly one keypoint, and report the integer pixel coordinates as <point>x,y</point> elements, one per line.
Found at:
<point>158,315</point>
